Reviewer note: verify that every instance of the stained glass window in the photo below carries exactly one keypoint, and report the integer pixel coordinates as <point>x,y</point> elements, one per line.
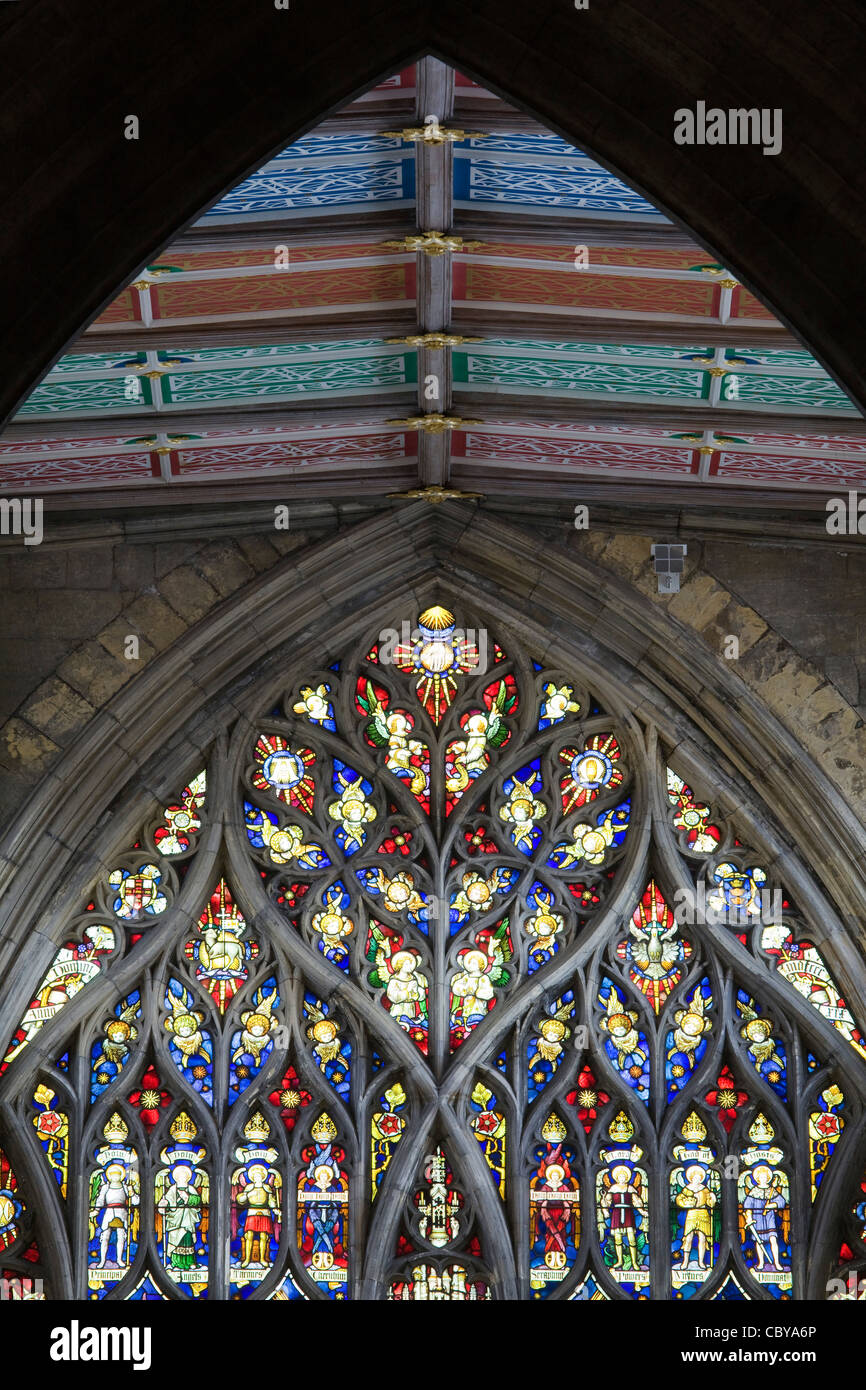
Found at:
<point>444,979</point>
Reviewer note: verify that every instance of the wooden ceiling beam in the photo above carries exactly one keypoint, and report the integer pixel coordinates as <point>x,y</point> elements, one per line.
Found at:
<point>667,415</point>
<point>350,412</point>
<point>347,324</point>
<point>775,516</point>
<point>535,227</point>
<point>343,325</point>
<point>289,483</point>
<point>491,322</point>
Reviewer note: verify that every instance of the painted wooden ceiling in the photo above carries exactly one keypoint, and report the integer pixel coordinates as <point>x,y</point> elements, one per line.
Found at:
<point>282,336</point>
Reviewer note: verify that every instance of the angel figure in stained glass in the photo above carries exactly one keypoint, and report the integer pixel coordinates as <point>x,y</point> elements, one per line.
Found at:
<point>190,1046</point>
<point>393,729</point>
<point>397,971</point>
<point>590,843</point>
<point>544,926</point>
<point>556,703</point>
<point>764,1207</point>
<point>258,1026</point>
<point>315,706</point>
<point>477,893</point>
<point>181,1194</point>
<point>110,1054</point>
<point>398,893</point>
<point>110,1201</point>
<point>332,1052</point>
<point>334,926</point>
<point>623,1207</point>
<point>467,758</point>
<point>765,1050</point>
<point>762,1201</point>
<point>695,1208</point>
<point>352,811</point>
<point>686,1042</point>
<point>523,807</point>
<point>473,984</point>
<point>625,1044</point>
<point>697,1199</point>
<point>547,1042</point>
<point>284,845</point>
<point>252,1043</point>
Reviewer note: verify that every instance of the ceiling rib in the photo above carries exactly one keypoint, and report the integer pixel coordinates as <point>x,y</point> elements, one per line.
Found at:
<point>434,210</point>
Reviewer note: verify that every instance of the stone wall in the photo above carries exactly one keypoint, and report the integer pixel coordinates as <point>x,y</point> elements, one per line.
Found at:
<point>64,623</point>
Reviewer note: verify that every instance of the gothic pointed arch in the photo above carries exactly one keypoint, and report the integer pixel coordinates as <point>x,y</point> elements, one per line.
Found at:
<point>445,944</point>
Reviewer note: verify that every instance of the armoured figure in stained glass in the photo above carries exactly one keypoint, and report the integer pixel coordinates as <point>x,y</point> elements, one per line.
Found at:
<point>764,1204</point>
<point>621,1205</point>
<point>114,1208</point>
<point>256,1188</point>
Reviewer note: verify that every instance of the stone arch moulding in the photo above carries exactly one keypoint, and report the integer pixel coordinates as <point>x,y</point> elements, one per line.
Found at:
<point>608,78</point>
